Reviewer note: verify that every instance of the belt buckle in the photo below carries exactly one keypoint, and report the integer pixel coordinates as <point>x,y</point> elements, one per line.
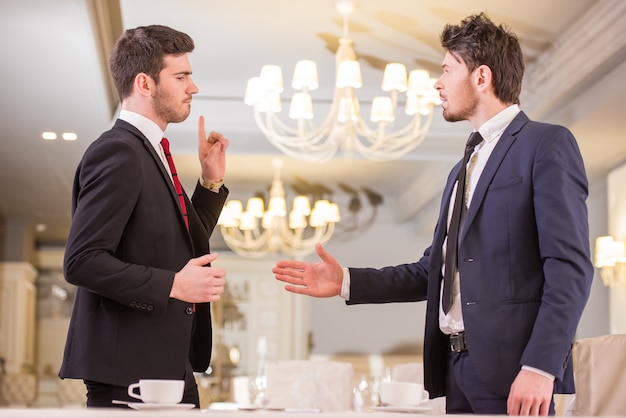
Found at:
<point>457,342</point>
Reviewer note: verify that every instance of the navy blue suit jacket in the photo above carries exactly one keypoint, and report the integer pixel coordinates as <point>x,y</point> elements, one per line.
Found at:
<point>127,239</point>
<point>523,261</point>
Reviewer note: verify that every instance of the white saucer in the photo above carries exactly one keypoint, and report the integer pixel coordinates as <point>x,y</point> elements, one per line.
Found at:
<point>159,406</point>
<point>413,409</point>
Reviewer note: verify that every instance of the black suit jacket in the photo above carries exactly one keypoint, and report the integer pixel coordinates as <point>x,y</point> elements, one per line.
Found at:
<point>127,239</point>
<point>523,261</point>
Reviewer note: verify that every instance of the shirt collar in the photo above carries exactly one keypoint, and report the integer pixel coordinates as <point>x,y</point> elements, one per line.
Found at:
<point>146,126</point>
<point>494,127</point>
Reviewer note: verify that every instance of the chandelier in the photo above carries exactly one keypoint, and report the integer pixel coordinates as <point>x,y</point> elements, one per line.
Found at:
<point>257,232</point>
<point>343,128</point>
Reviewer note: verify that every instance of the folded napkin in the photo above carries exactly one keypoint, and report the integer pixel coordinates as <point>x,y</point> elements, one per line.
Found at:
<point>323,385</point>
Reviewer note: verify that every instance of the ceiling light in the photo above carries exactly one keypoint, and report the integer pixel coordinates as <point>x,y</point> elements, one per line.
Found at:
<point>69,136</point>
<point>49,136</point>
<point>343,128</point>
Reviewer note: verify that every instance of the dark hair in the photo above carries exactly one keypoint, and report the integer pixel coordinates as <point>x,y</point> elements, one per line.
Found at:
<point>141,50</point>
<point>478,41</point>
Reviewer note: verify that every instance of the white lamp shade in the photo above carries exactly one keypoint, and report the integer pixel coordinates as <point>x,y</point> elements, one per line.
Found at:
<point>247,221</point>
<point>333,213</point>
<point>420,83</point>
<point>417,104</point>
<point>297,220</point>
<point>349,74</point>
<point>254,92</point>
<point>277,206</point>
<point>305,76</point>
<point>255,206</point>
<point>234,207</point>
<point>382,110</point>
<point>270,103</point>
<point>394,77</point>
<point>301,107</point>
<point>272,78</point>
<point>302,205</point>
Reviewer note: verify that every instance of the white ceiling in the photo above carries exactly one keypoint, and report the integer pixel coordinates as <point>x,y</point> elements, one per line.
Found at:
<point>52,78</point>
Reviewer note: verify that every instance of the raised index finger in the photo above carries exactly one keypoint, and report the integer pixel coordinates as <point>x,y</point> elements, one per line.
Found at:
<point>201,131</point>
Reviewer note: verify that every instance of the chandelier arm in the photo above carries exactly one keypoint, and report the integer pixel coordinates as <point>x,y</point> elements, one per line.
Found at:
<point>245,241</point>
<point>389,150</point>
<point>306,245</point>
<point>315,153</point>
<point>280,131</point>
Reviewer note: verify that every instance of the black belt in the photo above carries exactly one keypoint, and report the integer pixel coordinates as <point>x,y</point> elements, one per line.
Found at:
<point>457,342</point>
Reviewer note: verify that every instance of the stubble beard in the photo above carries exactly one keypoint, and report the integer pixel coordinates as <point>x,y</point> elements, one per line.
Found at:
<point>469,102</point>
<point>166,110</point>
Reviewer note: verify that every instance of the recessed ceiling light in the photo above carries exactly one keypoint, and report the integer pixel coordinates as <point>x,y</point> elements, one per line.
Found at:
<point>49,136</point>
<point>69,136</point>
<point>41,227</point>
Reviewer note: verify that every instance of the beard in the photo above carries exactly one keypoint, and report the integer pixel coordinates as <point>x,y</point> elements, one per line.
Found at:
<point>468,101</point>
<point>166,108</point>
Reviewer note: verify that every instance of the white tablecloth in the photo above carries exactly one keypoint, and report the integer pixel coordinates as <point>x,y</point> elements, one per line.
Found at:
<point>112,413</point>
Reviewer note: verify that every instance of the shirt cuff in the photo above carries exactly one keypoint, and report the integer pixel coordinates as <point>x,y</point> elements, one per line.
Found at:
<point>345,284</point>
<point>538,371</point>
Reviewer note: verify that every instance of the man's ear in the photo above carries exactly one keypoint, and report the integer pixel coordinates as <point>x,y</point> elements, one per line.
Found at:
<point>144,84</point>
<point>483,77</point>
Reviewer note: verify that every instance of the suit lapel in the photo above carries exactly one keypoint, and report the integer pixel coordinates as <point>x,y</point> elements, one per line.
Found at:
<point>509,136</point>
<point>157,160</point>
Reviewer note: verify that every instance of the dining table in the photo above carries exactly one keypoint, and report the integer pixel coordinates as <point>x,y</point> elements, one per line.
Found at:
<point>176,413</point>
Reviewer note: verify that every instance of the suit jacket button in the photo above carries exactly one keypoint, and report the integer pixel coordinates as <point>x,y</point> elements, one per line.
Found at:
<point>188,310</point>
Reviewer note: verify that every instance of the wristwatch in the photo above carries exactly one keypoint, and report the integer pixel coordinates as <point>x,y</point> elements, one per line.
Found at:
<point>213,185</point>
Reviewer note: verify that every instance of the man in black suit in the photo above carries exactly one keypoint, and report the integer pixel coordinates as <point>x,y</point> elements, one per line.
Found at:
<point>138,249</point>
<point>522,273</point>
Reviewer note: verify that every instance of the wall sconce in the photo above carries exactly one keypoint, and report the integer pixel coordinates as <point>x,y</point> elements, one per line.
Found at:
<point>610,258</point>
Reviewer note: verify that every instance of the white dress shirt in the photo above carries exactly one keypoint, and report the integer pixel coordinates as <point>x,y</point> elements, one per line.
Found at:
<point>150,130</point>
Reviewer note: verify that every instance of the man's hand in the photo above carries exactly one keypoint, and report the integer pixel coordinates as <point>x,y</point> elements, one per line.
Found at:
<point>196,283</point>
<point>212,153</point>
<point>322,279</point>
<point>531,394</point>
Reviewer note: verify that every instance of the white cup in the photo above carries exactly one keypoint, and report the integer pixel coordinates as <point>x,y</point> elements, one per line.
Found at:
<point>158,390</point>
<point>402,393</point>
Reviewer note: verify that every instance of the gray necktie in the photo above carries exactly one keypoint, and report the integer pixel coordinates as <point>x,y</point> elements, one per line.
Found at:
<point>455,223</point>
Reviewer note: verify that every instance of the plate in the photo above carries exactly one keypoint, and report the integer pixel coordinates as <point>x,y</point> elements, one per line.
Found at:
<point>159,406</point>
<point>409,409</point>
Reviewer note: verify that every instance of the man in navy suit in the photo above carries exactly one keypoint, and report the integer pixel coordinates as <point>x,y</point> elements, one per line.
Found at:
<point>138,248</point>
<point>524,271</point>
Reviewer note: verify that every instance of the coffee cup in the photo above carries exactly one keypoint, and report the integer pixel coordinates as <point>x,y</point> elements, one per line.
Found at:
<point>402,393</point>
<point>158,390</point>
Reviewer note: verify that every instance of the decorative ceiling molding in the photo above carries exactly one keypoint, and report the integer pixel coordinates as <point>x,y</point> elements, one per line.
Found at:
<point>593,45</point>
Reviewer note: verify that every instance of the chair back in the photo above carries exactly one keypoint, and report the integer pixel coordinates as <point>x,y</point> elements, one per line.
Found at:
<point>599,365</point>
<point>323,385</point>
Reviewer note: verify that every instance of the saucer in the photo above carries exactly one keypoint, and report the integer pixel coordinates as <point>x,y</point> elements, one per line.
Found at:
<point>159,406</point>
<point>410,409</point>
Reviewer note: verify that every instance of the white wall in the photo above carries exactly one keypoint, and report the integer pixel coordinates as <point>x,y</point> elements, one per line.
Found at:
<point>373,329</point>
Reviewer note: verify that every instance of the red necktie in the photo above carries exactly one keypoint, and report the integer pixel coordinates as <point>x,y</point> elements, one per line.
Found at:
<point>179,189</point>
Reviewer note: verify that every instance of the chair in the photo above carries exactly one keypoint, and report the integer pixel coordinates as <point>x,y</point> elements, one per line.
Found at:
<point>599,365</point>
<point>323,385</point>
